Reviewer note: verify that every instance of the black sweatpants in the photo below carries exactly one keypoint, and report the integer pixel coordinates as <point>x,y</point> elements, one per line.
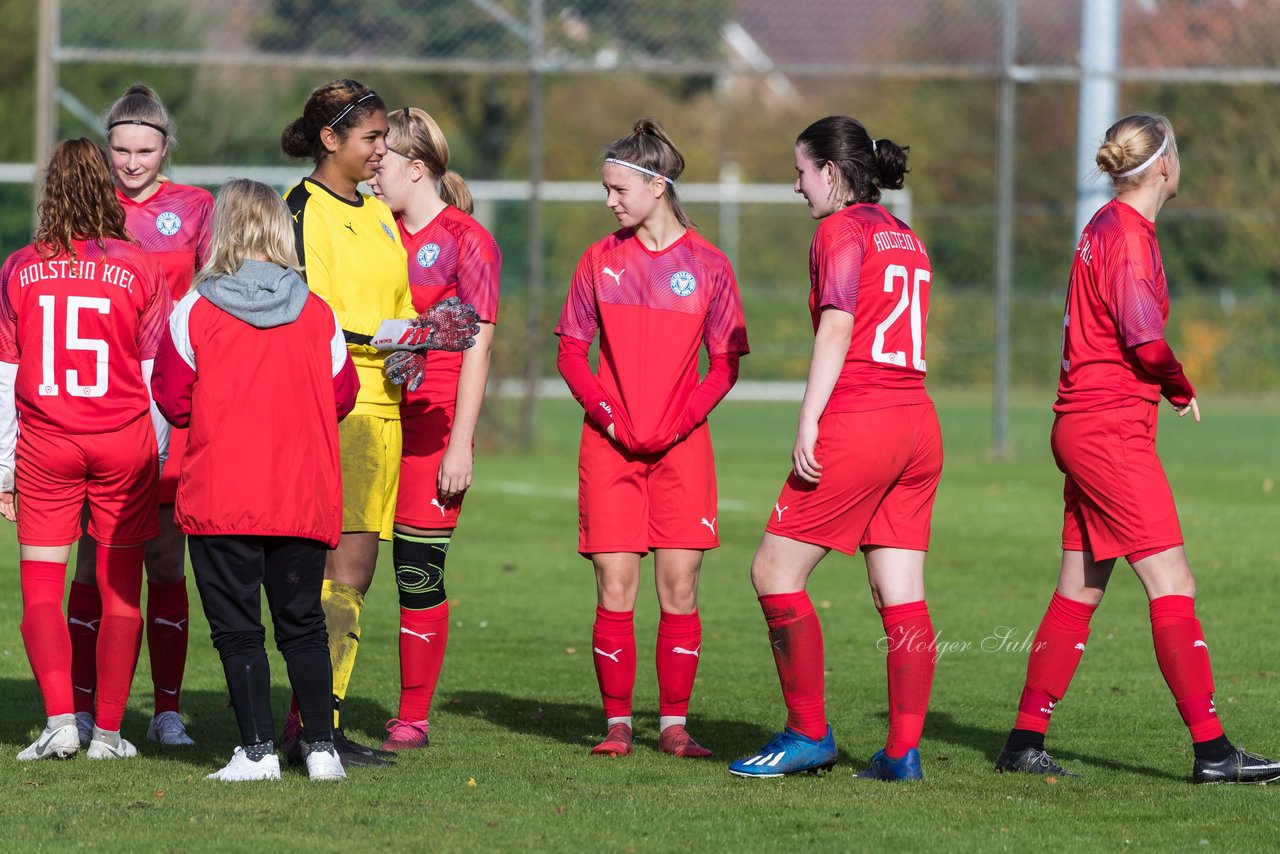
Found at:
<point>229,571</point>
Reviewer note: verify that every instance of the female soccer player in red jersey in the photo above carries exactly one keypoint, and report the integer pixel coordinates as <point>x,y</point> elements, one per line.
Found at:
<point>82,311</point>
<point>1116,365</point>
<point>349,246</point>
<point>171,222</point>
<point>450,254</point>
<point>255,522</point>
<point>867,456</point>
<point>656,291</point>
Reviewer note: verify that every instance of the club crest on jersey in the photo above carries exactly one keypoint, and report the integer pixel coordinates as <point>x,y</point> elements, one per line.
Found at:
<point>683,283</point>
<point>428,254</point>
<point>168,223</point>
<point>390,234</point>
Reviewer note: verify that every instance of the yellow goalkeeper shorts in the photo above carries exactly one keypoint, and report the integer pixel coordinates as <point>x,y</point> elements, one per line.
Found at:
<point>370,473</point>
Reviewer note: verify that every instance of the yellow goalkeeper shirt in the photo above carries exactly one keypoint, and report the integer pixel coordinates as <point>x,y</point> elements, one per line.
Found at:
<point>352,258</point>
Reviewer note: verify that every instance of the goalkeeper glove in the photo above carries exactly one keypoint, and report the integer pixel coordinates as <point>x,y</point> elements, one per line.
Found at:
<point>405,368</point>
<point>450,324</point>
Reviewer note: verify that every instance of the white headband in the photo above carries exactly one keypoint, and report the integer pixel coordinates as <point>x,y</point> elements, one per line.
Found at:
<point>1152,159</point>
<point>639,168</point>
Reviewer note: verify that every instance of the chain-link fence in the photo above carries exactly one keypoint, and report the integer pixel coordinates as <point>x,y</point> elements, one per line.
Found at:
<point>984,91</point>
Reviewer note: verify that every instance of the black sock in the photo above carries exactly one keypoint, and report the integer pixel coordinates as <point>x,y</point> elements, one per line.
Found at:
<point>261,750</point>
<point>1021,739</point>
<point>1213,750</point>
<point>323,746</point>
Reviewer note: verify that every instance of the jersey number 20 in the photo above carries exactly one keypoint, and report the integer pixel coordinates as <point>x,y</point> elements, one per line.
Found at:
<point>894,274</point>
<point>75,388</point>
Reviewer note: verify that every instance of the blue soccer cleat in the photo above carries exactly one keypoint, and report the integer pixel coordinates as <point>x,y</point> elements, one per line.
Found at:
<point>893,770</point>
<point>788,753</point>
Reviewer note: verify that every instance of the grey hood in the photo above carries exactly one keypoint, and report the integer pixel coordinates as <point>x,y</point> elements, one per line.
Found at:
<point>259,293</point>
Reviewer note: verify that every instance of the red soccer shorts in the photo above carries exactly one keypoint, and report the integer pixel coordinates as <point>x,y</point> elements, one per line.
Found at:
<point>418,503</point>
<point>1116,496</point>
<point>168,489</point>
<point>638,502</point>
<point>116,472</point>
<point>880,472</point>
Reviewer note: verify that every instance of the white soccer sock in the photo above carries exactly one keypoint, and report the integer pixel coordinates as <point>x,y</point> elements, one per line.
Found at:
<point>623,720</point>
<point>671,720</point>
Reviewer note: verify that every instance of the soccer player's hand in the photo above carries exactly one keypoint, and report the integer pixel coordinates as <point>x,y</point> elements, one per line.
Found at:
<point>6,494</point>
<point>1192,407</point>
<point>405,368</point>
<point>803,461</point>
<point>451,324</point>
<point>620,433</point>
<point>455,470</point>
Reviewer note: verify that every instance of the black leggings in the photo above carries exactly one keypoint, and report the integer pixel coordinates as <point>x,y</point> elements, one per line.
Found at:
<point>229,572</point>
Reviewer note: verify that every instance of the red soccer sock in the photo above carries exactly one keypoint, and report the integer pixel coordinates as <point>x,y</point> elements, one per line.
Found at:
<point>168,619</point>
<point>910,664</point>
<point>120,633</point>
<point>423,637</point>
<point>613,645</point>
<point>84,613</point>
<point>796,636</point>
<point>44,633</point>
<point>678,651</point>
<point>1055,655</point>
<point>1184,660</point>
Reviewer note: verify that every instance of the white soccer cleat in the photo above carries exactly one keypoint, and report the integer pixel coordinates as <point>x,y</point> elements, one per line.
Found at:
<point>100,746</point>
<point>325,765</point>
<point>241,767</point>
<point>84,727</point>
<point>55,742</point>
<point>167,728</point>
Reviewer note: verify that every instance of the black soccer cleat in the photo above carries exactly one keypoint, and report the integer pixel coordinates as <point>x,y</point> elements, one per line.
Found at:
<point>354,753</point>
<point>1029,760</point>
<point>1238,766</point>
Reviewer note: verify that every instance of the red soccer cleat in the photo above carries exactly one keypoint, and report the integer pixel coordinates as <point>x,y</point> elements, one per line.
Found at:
<point>406,735</point>
<point>617,742</point>
<point>676,741</point>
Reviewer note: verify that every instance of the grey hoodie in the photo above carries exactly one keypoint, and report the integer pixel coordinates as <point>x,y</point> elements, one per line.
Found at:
<point>259,293</point>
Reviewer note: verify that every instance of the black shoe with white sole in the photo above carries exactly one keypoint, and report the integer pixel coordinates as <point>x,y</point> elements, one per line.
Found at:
<point>1238,766</point>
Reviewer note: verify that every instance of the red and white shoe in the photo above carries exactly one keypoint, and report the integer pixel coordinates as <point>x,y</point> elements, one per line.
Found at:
<point>617,742</point>
<point>676,741</point>
<point>406,735</point>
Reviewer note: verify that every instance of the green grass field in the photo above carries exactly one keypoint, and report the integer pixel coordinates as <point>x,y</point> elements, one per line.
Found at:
<point>517,708</point>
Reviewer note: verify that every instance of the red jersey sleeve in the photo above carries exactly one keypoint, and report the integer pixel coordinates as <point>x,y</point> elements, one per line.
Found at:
<point>580,317</point>
<point>8,314</point>
<point>154,323</point>
<point>1136,288</point>
<point>479,271</point>
<point>726,327</point>
<point>204,236</point>
<point>836,265</point>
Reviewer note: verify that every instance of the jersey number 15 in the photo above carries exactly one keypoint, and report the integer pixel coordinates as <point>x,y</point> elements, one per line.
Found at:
<point>48,380</point>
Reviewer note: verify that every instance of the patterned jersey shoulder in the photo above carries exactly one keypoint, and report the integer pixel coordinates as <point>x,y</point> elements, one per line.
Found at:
<point>176,218</point>
<point>454,248</point>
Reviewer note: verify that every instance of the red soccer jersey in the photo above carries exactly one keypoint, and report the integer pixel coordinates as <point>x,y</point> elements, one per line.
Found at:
<point>453,255</point>
<point>885,364</point>
<point>1117,299</point>
<point>653,310</point>
<point>174,226</point>
<point>78,331</point>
